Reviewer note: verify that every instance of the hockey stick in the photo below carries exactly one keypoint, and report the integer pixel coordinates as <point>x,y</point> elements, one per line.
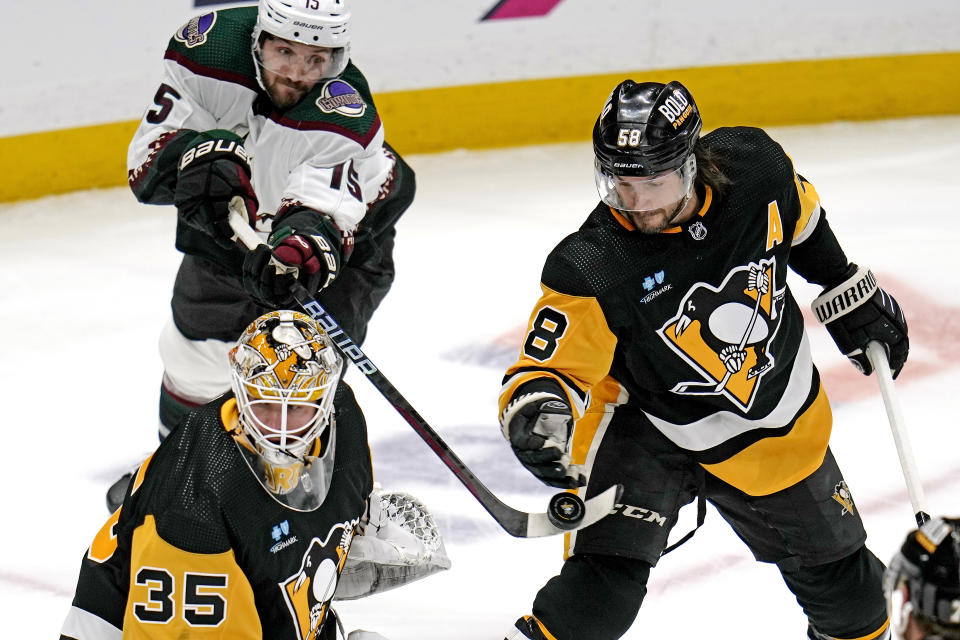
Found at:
<point>566,511</point>
<point>877,355</point>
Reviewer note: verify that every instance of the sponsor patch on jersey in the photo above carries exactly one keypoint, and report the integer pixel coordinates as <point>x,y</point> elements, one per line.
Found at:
<point>339,97</point>
<point>281,535</point>
<point>652,283</point>
<point>194,33</point>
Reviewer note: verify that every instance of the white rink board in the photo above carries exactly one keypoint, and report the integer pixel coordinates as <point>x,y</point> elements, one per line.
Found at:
<point>70,64</point>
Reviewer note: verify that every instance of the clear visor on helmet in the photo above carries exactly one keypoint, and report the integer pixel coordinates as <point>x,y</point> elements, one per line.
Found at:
<point>298,62</point>
<point>646,193</point>
<point>297,481</point>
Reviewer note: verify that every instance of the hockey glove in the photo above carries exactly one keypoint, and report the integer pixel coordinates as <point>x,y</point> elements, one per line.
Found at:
<point>857,311</point>
<point>213,168</point>
<point>291,254</point>
<point>539,426</point>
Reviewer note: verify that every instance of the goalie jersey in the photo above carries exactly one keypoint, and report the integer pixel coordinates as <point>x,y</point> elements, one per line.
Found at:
<point>199,549</point>
<point>696,325</point>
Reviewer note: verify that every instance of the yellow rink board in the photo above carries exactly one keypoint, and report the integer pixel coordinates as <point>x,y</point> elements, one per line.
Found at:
<point>549,110</point>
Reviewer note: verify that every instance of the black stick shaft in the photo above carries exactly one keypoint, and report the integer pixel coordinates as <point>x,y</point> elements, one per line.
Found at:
<point>494,506</point>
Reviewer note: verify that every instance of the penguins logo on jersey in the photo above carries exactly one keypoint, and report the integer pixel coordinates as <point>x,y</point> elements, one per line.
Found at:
<point>339,97</point>
<point>723,333</point>
<point>309,591</point>
<point>841,493</point>
<point>194,33</point>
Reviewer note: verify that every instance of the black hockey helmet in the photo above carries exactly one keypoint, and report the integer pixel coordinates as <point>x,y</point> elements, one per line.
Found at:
<point>928,564</point>
<point>646,128</point>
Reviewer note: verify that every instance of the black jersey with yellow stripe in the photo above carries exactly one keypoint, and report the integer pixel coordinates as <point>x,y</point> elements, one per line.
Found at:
<point>199,549</point>
<point>695,325</point>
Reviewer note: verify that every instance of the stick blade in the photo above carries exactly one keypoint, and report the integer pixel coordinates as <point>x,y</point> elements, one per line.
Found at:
<point>597,507</point>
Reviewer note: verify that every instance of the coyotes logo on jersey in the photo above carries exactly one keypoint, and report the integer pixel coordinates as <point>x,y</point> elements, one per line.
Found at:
<point>309,591</point>
<point>724,333</point>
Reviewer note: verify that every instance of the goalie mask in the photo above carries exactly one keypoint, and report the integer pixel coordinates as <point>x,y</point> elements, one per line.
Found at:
<point>284,374</point>
<point>922,583</point>
<point>643,146</point>
<point>319,23</point>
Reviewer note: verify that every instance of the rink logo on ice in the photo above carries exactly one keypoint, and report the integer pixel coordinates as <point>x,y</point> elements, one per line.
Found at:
<point>339,97</point>
<point>194,33</point>
<point>841,493</point>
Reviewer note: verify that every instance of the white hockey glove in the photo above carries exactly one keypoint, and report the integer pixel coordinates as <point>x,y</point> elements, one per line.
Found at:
<point>539,426</point>
<point>400,543</point>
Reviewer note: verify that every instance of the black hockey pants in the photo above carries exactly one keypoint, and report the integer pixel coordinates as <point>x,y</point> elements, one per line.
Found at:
<point>598,597</point>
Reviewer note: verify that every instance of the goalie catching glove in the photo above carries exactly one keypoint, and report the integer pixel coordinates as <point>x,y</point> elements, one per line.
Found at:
<point>539,425</point>
<point>298,250</point>
<point>856,312</point>
<point>213,168</point>
<point>400,542</point>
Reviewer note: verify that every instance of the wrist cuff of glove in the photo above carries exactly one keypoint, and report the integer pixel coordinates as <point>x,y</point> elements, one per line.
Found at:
<point>846,296</point>
<point>520,402</point>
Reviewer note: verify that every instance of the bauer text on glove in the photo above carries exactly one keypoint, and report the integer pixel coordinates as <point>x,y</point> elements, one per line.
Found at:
<point>213,168</point>
<point>269,271</point>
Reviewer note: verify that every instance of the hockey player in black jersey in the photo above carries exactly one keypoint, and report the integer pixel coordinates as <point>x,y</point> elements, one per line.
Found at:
<point>667,354</point>
<point>256,512</point>
<point>922,583</point>
<point>263,102</point>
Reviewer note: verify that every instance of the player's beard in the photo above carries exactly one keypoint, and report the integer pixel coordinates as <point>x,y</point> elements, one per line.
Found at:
<point>656,220</point>
<point>285,93</point>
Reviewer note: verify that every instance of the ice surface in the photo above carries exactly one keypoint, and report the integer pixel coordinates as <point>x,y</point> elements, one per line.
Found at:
<point>85,280</point>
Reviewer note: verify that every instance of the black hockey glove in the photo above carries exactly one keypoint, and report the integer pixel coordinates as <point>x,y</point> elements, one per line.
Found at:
<point>297,251</point>
<point>857,311</point>
<point>213,168</point>
<point>539,426</point>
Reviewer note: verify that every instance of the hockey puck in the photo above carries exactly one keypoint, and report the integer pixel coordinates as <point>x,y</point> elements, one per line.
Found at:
<point>566,510</point>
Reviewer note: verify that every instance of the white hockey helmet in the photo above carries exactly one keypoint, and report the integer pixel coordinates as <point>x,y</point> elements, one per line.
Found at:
<point>321,23</point>
<point>284,374</point>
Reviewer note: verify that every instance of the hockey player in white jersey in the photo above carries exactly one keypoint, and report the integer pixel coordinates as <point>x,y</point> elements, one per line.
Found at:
<point>264,103</point>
